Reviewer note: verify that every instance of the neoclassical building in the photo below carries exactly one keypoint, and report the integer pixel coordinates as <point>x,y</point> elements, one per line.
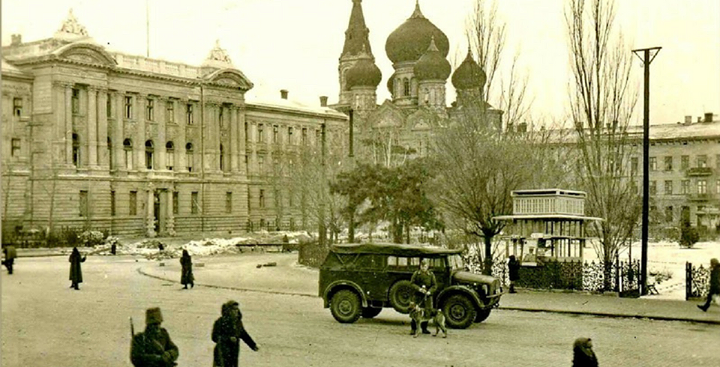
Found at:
<point>98,139</point>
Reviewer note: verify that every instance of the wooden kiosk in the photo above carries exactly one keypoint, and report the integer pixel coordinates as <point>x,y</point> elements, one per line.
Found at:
<point>546,224</point>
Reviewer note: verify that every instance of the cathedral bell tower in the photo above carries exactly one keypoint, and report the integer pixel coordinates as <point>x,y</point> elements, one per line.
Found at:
<point>356,48</point>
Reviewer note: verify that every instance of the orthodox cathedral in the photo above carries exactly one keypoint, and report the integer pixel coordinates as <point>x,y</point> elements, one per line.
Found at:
<point>403,125</point>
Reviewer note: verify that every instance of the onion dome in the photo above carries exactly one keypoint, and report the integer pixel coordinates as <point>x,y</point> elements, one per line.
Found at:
<point>411,39</point>
<point>391,84</point>
<point>469,74</point>
<point>432,65</point>
<point>363,74</point>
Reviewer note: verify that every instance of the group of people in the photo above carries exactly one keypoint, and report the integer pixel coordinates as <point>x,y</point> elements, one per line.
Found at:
<point>154,347</point>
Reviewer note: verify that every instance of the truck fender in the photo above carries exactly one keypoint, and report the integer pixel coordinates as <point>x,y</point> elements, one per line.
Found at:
<point>343,284</point>
<point>463,290</point>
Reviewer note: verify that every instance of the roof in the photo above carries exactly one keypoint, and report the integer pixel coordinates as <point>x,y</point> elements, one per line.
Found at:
<point>393,249</point>
<point>679,131</point>
<point>545,216</point>
<point>292,106</point>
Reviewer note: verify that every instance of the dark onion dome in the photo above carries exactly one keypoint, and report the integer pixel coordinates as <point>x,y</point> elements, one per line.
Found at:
<point>432,65</point>
<point>363,74</point>
<point>469,74</point>
<point>411,39</point>
<point>391,84</point>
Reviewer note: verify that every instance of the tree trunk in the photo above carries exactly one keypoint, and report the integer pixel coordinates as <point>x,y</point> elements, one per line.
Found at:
<point>351,226</point>
<point>407,233</point>
<point>487,269</point>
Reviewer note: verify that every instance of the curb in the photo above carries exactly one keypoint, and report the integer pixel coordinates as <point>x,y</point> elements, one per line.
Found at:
<point>522,309</point>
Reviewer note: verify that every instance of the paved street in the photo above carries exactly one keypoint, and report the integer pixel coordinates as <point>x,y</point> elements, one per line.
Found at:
<point>46,323</point>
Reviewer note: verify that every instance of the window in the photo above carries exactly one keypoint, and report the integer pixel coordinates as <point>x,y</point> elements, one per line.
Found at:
<point>108,105</point>
<point>290,135</point>
<point>76,149</point>
<point>304,136</point>
<point>176,202</point>
<point>189,156</point>
<point>17,106</point>
<point>109,153</point>
<point>260,136</point>
<point>149,150</point>
<point>291,202</point>
<point>127,146</point>
<point>222,158</point>
<point>668,164</point>
<point>189,114</point>
<point>653,164</point>
<point>170,155</point>
<point>668,187</point>
<point>75,100</point>
<point>133,202</point>
<point>685,187</point>
<point>221,117</point>
<point>702,187</point>
<point>83,203</point>
<point>247,137</point>
<point>684,162</point>
<point>261,164</point>
<point>170,111</point>
<point>406,87</point>
<point>702,161</point>
<point>194,202</point>
<point>634,166</point>
<point>113,205</point>
<point>150,109</point>
<point>653,187</point>
<point>128,107</point>
<point>275,134</point>
<point>317,136</point>
<point>15,148</point>
<point>669,214</point>
<point>228,202</point>
<point>261,201</point>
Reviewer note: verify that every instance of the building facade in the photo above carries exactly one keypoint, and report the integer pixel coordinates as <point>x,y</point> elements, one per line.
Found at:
<point>140,146</point>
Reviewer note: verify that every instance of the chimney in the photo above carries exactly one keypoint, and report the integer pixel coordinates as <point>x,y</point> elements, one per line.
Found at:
<point>699,119</point>
<point>688,120</point>
<point>283,93</point>
<point>16,39</point>
<point>323,101</point>
<point>708,117</point>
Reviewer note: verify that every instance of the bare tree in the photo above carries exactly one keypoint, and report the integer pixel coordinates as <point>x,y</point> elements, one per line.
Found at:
<point>602,100</point>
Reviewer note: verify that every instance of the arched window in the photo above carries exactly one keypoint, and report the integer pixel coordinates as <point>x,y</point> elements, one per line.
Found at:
<point>76,149</point>
<point>127,146</point>
<point>149,150</point>
<point>406,87</point>
<point>170,155</point>
<point>222,159</point>
<point>109,152</point>
<point>189,156</point>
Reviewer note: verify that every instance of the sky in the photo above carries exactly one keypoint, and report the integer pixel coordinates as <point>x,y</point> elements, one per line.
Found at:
<point>295,44</point>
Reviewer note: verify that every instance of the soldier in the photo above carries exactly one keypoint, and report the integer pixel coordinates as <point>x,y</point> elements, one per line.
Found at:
<point>75,269</point>
<point>186,276</point>
<point>714,284</point>
<point>227,332</point>
<point>425,285</point>
<point>153,347</point>
<point>10,255</point>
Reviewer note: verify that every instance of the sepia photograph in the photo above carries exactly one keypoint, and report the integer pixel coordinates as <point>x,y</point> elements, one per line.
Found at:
<point>360,183</point>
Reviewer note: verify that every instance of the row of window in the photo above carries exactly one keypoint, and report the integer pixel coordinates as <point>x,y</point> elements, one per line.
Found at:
<point>701,185</point>
<point>701,161</point>
<point>276,134</point>
<point>133,203</point>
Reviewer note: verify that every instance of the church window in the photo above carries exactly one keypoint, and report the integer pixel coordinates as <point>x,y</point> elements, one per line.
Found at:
<point>406,87</point>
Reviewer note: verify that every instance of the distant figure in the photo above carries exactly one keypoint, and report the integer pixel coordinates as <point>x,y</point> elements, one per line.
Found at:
<point>153,347</point>
<point>75,269</point>
<point>513,272</point>
<point>113,249</point>
<point>161,247</point>
<point>186,276</point>
<point>714,284</point>
<point>10,255</point>
<point>583,355</point>
<point>227,332</point>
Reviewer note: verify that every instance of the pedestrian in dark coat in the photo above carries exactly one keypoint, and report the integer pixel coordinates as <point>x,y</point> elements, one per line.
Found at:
<point>153,347</point>
<point>425,284</point>
<point>10,255</point>
<point>583,355</point>
<point>75,270</point>
<point>714,284</point>
<point>227,332</point>
<point>513,272</point>
<point>186,276</point>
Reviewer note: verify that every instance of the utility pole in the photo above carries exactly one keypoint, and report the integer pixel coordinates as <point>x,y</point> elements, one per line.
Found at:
<point>351,165</point>
<point>322,230</point>
<point>647,58</point>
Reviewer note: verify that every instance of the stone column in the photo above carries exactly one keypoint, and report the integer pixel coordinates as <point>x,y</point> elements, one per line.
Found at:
<point>92,138</point>
<point>210,140</point>
<point>161,135</point>
<point>241,140</point>
<point>139,145</point>
<point>150,210</point>
<point>181,161</point>
<point>119,132</point>
<point>233,139</point>
<point>58,152</point>
<point>68,124</point>
<point>170,217</point>
<point>102,131</point>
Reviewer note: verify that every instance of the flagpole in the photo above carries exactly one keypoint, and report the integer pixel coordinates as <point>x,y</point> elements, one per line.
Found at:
<point>147,26</point>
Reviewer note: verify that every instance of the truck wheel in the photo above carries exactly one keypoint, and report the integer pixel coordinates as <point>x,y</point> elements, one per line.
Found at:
<point>370,312</point>
<point>401,294</point>
<point>459,311</point>
<point>345,306</point>
<point>482,315</point>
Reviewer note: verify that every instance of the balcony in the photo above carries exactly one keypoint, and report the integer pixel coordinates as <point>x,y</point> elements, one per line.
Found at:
<point>699,172</point>
<point>701,197</point>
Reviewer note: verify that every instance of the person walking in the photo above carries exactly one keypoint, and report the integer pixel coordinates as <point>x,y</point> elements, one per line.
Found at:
<point>425,285</point>
<point>583,354</point>
<point>153,347</point>
<point>714,284</point>
<point>513,272</point>
<point>75,269</point>
<point>227,332</point>
<point>10,255</point>
<point>186,276</point>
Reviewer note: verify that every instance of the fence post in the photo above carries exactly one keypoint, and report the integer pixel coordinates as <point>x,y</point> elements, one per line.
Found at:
<point>688,280</point>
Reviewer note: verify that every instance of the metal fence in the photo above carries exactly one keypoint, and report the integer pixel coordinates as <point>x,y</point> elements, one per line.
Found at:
<point>697,280</point>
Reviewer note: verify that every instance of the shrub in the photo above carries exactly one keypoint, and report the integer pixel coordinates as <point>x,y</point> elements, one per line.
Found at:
<point>91,238</point>
<point>689,236</point>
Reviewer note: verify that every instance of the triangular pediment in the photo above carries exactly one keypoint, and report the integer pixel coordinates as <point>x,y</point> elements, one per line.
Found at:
<point>388,116</point>
<point>421,119</point>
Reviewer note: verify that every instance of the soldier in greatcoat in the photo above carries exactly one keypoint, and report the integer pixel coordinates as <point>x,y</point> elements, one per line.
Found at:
<point>10,255</point>
<point>75,269</point>
<point>227,332</point>
<point>425,284</point>
<point>186,276</point>
<point>153,347</point>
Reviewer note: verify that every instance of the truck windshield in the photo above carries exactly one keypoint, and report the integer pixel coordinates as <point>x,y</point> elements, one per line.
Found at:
<point>456,262</point>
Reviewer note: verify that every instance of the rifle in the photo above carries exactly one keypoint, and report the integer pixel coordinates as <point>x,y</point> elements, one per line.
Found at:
<point>132,328</point>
